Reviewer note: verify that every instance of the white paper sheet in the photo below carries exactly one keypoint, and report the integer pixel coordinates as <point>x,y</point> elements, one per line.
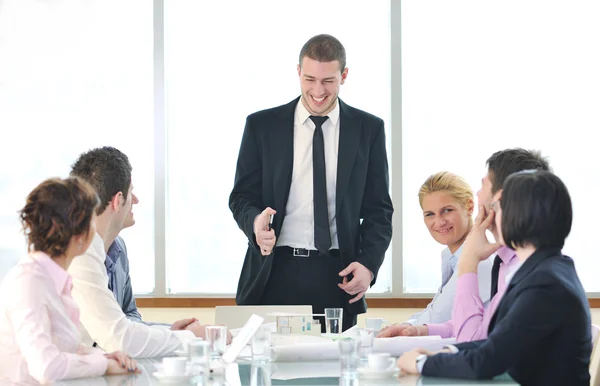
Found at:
<point>401,344</point>
<point>329,350</point>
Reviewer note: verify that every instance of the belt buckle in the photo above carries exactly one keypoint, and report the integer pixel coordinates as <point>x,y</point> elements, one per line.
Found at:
<point>301,252</point>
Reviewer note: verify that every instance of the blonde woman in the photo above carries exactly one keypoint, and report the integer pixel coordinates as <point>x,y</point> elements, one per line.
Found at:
<point>39,320</point>
<point>447,202</point>
<point>541,330</point>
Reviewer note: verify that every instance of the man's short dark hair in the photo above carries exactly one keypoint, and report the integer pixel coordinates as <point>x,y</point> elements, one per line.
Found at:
<point>506,162</point>
<point>324,48</point>
<point>536,210</point>
<point>108,170</point>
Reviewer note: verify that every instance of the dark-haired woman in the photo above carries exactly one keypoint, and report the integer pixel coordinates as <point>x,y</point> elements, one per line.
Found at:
<point>39,336</point>
<point>541,331</point>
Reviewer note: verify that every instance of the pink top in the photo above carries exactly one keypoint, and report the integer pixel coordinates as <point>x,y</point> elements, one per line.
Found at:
<point>39,322</point>
<point>470,318</point>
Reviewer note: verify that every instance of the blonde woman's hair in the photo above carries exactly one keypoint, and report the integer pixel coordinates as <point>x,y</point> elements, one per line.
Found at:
<point>458,188</point>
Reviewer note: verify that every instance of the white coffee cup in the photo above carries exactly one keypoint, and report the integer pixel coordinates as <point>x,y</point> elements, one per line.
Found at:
<point>381,361</point>
<point>375,323</point>
<point>174,366</point>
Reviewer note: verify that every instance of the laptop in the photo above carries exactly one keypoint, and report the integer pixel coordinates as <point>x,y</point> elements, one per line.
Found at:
<point>236,316</point>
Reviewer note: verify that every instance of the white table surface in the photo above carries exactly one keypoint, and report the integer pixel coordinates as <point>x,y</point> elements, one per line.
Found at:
<point>293,373</point>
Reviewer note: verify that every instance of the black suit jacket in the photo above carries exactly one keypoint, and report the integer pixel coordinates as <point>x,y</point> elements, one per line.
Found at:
<point>540,333</point>
<point>264,175</point>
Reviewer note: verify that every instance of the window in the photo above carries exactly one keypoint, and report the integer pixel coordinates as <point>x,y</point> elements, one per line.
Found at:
<point>222,65</point>
<point>478,77</point>
<point>62,93</point>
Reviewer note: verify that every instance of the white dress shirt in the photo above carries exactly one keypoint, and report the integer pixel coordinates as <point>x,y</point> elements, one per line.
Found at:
<point>298,229</point>
<point>103,320</point>
<point>440,308</point>
<point>39,336</point>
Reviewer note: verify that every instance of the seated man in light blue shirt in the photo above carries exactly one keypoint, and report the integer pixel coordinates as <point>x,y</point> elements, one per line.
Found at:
<point>96,168</point>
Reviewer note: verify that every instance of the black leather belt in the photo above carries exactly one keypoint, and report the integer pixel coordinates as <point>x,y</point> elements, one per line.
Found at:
<point>303,252</point>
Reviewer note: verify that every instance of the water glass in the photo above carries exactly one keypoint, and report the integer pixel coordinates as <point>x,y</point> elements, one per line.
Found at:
<point>261,344</point>
<point>333,320</point>
<point>365,337</point>
<point>260,374</point>
<point>349,357</point>
<point>350,381</point>
<point>199,358</point>
<point>375,323</point>
<point>216,336</point>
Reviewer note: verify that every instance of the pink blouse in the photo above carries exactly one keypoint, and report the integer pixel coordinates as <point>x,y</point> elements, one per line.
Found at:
<point>39,326</point>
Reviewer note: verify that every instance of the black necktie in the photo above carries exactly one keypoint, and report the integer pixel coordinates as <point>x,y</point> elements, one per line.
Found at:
<point>495,274</point>
<point>322,235</point>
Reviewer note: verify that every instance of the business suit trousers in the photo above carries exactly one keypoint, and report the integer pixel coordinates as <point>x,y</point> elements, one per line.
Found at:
<point>311,280</point>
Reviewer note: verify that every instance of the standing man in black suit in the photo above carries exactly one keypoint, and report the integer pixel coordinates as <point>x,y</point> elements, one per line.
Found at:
<point>319,167</point>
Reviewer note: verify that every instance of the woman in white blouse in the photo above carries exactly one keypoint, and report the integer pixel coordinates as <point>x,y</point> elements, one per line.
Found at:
<point>447,202</point>
<point>39,320</point>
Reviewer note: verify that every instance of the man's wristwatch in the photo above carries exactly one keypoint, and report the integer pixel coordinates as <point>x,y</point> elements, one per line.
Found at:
<point>419,361</point>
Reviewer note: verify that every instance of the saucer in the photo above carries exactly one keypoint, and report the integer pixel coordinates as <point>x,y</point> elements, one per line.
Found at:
<point>367,372</point>
<point>181,353</point>
<point>170,378</point>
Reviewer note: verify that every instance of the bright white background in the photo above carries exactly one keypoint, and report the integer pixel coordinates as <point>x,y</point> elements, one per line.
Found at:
<point>476,77</point>
<point>80,75</point>
<point>483,76</point>
<point>75,75</point>
<point>223,62</point>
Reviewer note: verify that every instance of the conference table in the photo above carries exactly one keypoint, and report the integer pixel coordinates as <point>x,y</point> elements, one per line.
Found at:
<point>284,373</point>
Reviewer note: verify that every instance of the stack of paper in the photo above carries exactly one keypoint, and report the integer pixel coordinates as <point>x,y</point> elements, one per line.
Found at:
<point>314,350</point>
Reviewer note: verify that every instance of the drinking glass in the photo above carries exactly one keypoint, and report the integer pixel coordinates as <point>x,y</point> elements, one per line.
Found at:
<point>216,336</point>
<point>333,320</point>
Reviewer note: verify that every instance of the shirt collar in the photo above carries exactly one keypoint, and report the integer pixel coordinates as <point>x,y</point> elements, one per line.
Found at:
<point>302,114</point>
<point>112,256</point>
<point>61,279</point>
<point>506,254</point>
<point>512,271</point>
<point>96,250</point>
<point>458,251</point>
<point>447,254</point>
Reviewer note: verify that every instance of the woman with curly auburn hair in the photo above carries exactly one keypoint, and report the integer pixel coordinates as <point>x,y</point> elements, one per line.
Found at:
<point>39,320</point>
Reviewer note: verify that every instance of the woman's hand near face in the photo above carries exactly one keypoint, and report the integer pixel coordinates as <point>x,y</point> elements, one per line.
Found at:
<point>476,246</point>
